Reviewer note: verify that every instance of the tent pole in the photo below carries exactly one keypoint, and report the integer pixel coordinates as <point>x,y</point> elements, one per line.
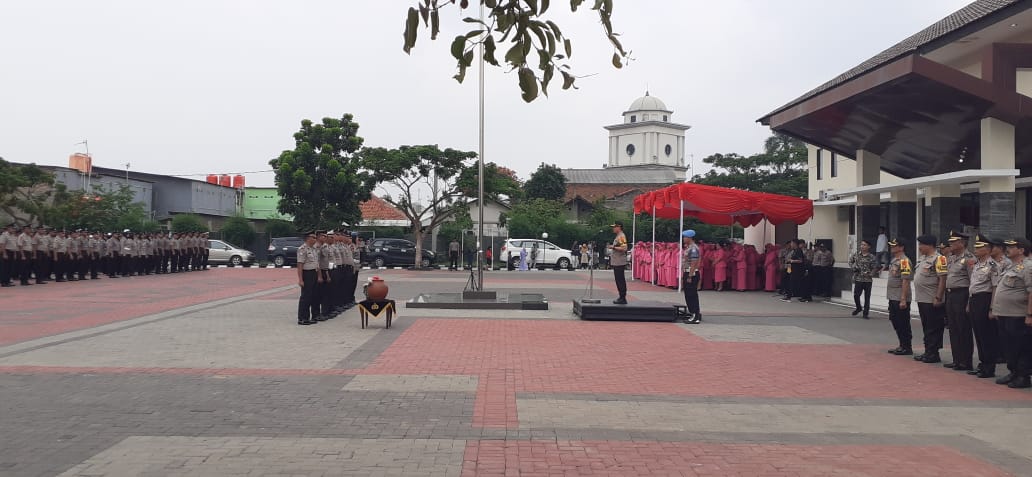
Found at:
<point>653,243</point>
<point>634,232</point>
<point>680,250</point>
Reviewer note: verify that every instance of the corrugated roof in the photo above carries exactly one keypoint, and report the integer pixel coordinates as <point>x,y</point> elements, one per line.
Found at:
<point>960,19</point>
<point>625,175</point>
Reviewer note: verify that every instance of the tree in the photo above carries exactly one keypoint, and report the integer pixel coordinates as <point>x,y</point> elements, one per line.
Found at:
<point>280,228</point>
<point>29,194</point>
<point>547,182</point>
<point>320,182</point>
<point>238,231</point>
<point>105,208</point>
<point>450,177</point>
<point>780,169</point>
<point>187,223</point>
<point>520,27</point>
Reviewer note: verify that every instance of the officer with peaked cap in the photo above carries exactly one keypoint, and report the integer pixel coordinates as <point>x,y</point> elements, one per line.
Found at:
<point>690,258</point>
<point>901,273</point>
<point>958,282</point>
<point>929,290</point>
<point>1012,306</point>
<point>985,275</point>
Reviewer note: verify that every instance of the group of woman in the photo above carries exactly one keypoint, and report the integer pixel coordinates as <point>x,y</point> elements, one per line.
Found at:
<point>723,265</point>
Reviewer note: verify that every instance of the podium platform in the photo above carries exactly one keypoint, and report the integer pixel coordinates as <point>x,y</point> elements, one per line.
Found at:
<point>653,311</point>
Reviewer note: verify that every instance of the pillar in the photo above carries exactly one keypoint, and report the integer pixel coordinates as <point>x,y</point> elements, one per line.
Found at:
<point>868,206</point>
<point>903,216</point>
<point>996,194</point>
<point>942,206</point>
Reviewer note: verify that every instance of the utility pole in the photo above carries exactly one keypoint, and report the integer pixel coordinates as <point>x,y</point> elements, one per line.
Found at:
<point>480,157</point>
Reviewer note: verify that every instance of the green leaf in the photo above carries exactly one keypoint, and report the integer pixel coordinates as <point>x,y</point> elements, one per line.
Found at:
<point>467,59</point>
<point>458,47</point>
<point>568,47</point>
<point>489,51</point>
<point>528,84</point>
<point>474,33</point>
<point>533,4</point>
<point>411,28</point>
<point>543,60</point>
<point>549,71</point>
<point>515,55</point>
<point>490,3</point>
<point>544,7</point>
<point>574,4</point>
<point>425,13</point>
<point>568,80</point>
<point>435,24</point>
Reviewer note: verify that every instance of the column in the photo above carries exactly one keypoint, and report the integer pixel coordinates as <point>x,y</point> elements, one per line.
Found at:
<point>903,216</point>
<point>942,205</point>
<point>868,206</point>
<point>996,194</point>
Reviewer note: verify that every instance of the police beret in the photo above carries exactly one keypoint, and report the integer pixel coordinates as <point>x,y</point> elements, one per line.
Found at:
<point>926,240</point>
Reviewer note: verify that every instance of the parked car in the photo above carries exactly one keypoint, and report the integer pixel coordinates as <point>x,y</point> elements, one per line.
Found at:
<point>382,252</point>
<point>283,250</point>
<point>549,254</point>
<point>227,253</point>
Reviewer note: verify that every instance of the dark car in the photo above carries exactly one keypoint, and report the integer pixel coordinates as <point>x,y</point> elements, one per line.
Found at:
<point>283,250</point>
<point>382,252</point>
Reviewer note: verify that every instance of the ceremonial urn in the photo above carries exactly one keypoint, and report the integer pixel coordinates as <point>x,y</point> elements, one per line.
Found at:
<point>376,289</point>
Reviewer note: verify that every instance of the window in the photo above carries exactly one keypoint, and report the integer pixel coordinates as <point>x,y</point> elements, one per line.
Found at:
<point>664,118</point>
<point>668,149</point>
<point>630,149</point>
<point>820,165</point>
<point>634,118</point>
<point>834,165</point>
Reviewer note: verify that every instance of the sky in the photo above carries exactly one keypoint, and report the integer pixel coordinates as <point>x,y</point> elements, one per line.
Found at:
<point>193,87</point>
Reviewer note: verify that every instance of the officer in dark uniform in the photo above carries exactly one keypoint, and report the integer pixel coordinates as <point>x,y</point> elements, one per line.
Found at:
<point>985,275</point>
<point>901,273</point>
<point>1012,306</point>
<point>929,290</point>
<point>958,282</point>
<point>308,279</point>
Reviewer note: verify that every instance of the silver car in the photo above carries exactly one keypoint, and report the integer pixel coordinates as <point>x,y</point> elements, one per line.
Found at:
<point>227,253</point>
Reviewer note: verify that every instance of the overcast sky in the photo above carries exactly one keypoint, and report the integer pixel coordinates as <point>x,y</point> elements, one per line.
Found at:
<point>196,87</point>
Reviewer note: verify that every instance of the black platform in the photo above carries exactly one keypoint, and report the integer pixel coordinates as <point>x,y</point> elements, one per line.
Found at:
<point>502,301</point>
<point>632,311</point>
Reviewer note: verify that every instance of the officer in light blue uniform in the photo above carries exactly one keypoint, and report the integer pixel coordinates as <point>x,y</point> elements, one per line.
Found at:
<point>690,258</point>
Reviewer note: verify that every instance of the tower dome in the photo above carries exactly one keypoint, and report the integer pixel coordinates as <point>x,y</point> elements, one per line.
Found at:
<point>648,103</point>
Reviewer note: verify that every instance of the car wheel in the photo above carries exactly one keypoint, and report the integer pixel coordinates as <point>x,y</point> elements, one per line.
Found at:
<point>279,261</point>
<point>425,263</point>
<point>235,261</point>
<point>564,263</point>
<point>379,262</point>
<point>515,263</point>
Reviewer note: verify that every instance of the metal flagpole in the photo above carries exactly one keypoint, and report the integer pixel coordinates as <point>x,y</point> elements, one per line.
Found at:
<point>480,201</point>
<point>680,248</point>
<point>634,231</point>
<point>653,243</point>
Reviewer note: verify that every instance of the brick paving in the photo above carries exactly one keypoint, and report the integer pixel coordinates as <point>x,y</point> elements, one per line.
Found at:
<point>208,375</point>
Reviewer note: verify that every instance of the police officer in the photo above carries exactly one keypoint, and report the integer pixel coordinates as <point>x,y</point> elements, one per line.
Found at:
<point>985,275</point>
<point>113,248</point>
<point>352,262</point>
<point>8,242</point>
<point>618,260</point>
<point>929,290</point>
<point>1013,308</point>
<point>898,292</point>
<point>205,250</point>
<point>324,290</point>
<point>958,282</point>
<point>690,257</point>
<point>59,244</point>
<point>25,252</point>
<point>42,256</point>
<point>308,279</point>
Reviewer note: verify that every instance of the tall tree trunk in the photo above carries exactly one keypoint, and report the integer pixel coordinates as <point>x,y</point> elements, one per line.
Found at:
<point>419,244</point>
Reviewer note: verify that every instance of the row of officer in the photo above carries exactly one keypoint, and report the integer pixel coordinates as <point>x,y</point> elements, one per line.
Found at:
<point>327,273</point>
<point>984,298</point>
<point>44,254</point>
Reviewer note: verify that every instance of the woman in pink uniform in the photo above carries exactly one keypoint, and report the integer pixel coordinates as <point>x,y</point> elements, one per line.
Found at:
<point>751,257</point>
<point>706,267</point>
<point>719,261</point>
<point>741,268</point>
<point>771,268</point>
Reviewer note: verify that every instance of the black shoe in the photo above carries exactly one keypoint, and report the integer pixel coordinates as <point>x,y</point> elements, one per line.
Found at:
<point>949,365</point>
<point>919,357</point>
<point>303,323</point>
<point>866,317</point>
<point>321,318</point>
<point>856,312</point>
<point>1005,379</point>
<point>963,368</point>
<point>904,352</point>
<point>620,301</point>
<point>895,350</point>
<point>6,285</point>
<point>60,280</point>
<point>986,373</point>
<point>25,284</point>
<point>931,359</point>
<point>1020,383</point>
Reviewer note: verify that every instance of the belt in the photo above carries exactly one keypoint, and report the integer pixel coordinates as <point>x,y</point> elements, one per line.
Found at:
<point>956,289</point>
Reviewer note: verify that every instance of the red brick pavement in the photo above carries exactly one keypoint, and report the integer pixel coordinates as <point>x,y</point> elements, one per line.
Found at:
<point>632,358</point>
<point>622,459</point>
<point>44,310</point>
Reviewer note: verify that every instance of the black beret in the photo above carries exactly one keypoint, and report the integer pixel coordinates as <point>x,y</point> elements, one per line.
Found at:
<point>926,239</point>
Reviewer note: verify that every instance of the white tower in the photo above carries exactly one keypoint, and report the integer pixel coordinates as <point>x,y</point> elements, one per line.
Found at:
<point>647,136</point>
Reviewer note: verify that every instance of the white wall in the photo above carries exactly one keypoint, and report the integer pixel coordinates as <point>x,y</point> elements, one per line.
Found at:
<point>845,179</point>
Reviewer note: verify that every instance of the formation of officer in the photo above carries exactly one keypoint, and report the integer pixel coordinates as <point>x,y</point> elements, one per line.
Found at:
<point>42,254</point>
<point>984,298</point>
<point>327,272</point>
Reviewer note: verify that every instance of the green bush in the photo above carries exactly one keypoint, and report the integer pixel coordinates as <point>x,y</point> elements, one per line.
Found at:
<point>238,231</point>
<point>185,223</point>
<point>280,228</point>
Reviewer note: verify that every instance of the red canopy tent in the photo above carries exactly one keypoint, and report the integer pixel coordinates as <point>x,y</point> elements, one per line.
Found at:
<point>720,206</point>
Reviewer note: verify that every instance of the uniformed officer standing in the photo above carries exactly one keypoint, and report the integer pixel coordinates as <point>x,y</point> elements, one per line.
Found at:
<point>350,259</point>
<point>618,260</point>
<point>898,292</point>
<point>1012,306</point>
<point>25,255</point>
<point>958,282</point>
<point>308,279</point>
<point>985,275</point>
<point>113,248</point>
<point>690,257</point>
<point>205,250</point>
<point>43,257</point>
<point>8,242</point>
<point>325,291</point>
<point>929,288</point>
<point>59,245</point>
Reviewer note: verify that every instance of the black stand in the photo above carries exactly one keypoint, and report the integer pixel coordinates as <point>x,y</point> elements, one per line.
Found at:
<point>375,308</point>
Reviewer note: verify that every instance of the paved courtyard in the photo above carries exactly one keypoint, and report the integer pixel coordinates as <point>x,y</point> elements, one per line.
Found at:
<point>206,374</point>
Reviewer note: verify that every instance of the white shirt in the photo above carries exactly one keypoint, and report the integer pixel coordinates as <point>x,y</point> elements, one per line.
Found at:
<point>883,244</point>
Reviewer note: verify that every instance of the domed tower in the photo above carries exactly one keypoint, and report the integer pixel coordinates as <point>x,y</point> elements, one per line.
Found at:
<point>647,136</point>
